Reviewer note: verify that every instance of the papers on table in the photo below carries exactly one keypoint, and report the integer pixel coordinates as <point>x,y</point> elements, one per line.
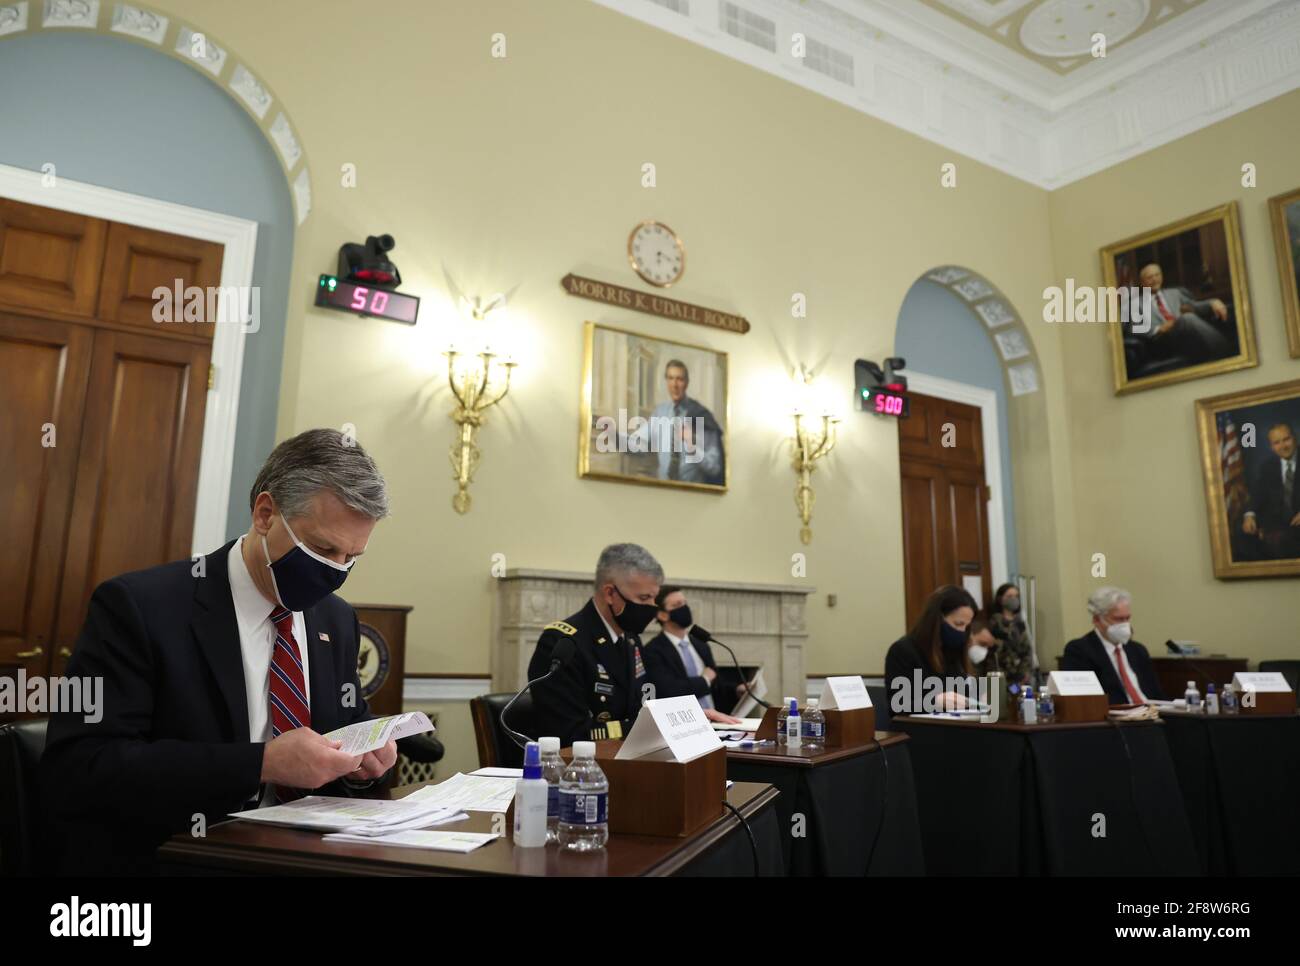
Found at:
<point>441,841</point>
<point>329,814</point>
<point>515,773</point>
<point>366,736</point>
<point>1140,713</point>
<point>744,724</point>
<point>471,793</point>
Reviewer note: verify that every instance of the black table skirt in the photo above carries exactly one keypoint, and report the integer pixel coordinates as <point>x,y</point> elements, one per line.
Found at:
<point>842,804</point>
<point>1076,801</point>
<point>1240,777</point>
<point>734,855</point>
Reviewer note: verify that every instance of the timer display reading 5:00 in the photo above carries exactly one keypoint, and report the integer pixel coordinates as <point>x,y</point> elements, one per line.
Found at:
<point>335,293</point>
<point>885,403</point>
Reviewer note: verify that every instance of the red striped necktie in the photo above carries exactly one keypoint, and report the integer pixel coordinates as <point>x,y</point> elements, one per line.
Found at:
<point>288,689</point>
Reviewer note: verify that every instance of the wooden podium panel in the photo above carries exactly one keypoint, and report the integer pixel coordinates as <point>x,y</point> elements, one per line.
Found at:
<point>844,729</point>
<point>381,659</point>
<point>1078,708</point>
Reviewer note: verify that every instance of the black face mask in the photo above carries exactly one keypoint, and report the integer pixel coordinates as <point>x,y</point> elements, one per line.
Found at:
<point>681,616</point>
<point>951,638</point>
<point>634,618</point>
<point>302,578</point>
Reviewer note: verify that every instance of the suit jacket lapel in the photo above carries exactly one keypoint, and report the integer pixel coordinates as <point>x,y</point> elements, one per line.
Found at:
<point>1109,677</point>
<point>217,632</point>
<point>676,655</point>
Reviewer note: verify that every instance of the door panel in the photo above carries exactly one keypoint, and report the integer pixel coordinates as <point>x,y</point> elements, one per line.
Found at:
<point>44,366</point>
<point>138,260</point>
<point>49,259</point>
<point>137,473</point>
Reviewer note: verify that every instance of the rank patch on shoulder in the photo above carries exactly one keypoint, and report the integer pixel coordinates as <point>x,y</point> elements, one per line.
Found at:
<point>562,627</point>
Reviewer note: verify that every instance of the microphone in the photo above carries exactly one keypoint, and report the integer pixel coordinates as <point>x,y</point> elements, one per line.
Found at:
<point>700,634</point>
<point>561,654</point>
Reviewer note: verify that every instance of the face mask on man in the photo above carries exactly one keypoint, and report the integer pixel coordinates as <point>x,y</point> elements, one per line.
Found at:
<point>302,578</point>
<point>1120,633</point>
<point>634,617</point>
<point>977,652</point>
<point>681,616</point>
<point>950,637</point>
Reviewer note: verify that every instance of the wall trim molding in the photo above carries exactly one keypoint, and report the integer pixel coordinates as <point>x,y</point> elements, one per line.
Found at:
<point>416,690</point>
<point>238,236</point>
<point>987,401</point>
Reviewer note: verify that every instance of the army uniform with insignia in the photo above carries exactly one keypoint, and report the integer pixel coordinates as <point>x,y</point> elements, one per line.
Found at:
<point>597,693</point>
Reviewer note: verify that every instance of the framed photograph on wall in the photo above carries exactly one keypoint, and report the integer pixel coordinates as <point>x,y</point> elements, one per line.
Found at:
<point>1191,278</point>
<point>653,411</point>
<point>1285,210</point>
<point>1252,480</point>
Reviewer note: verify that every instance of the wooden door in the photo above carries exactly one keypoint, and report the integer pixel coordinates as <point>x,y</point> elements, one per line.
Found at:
<point>124,393</point>
<point>44,367</point>
<point>944,499</point>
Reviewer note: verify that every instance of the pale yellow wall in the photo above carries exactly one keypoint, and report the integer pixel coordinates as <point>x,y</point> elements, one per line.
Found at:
<point>1138,488</point>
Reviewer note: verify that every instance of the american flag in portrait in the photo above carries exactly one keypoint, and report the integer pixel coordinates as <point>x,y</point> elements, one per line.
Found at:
<point>1230,463</point>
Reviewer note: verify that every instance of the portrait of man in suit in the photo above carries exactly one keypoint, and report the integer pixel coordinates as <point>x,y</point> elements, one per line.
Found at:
<point>1181,325</point>
<point>1272,516</point>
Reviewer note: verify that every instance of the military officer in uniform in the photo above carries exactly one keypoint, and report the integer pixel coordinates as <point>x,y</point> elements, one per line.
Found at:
<point>597,692</point>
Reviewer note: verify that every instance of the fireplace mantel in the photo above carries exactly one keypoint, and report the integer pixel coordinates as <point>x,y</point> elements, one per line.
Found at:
<point>763,623</point>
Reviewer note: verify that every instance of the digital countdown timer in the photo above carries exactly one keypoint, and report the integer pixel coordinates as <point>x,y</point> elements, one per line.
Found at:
<point>334,293</point>
<point>883,402</point>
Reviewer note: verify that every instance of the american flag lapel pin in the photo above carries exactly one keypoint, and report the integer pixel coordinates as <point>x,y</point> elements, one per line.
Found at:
<point>324,637</point>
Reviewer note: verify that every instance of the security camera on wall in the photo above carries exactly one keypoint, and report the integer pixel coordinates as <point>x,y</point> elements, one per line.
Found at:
<point>366,283</point>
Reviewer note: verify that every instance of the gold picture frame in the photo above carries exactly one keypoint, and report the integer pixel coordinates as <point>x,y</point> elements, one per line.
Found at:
<point>632,368</point>
<point>1273,550</point>
<point>1284,210</point>
<point>1197,249</point>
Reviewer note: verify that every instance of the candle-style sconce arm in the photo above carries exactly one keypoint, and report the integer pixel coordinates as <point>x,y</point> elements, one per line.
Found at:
<point>474,396</point>
<point>809,448</point>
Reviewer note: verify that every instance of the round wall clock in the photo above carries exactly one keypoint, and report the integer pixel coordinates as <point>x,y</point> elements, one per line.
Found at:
<point>656,253</point>
<point>372,660</point>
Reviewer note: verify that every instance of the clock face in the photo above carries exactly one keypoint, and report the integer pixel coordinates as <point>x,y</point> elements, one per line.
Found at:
<point>656,253</point>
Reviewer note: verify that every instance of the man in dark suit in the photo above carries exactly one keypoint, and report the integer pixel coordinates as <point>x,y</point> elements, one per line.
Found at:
<point>1122,665</point>
<point>1273,512</point>
<point>680,664</point>
<point>222,674</point>
<point>596,690</point>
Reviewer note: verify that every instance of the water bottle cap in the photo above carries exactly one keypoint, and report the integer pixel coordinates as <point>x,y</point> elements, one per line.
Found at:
<point>584,749</point>
<point>1191,684</point>
<point>550,746</point>
<point>814,703</point>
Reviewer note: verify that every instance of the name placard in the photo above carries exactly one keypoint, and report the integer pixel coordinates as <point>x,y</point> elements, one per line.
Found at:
<point>677,724</point>
<point>845,694</point>
<point>1270,681</point>
<point>1070,683</point>
<point>661,305</point>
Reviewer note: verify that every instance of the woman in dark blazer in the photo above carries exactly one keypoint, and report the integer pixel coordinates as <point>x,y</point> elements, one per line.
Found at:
<point>935,646</point>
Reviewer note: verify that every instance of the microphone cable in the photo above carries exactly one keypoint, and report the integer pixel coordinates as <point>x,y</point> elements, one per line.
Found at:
<point>753,842</point>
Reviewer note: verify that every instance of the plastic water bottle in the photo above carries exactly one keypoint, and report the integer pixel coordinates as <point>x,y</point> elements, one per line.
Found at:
<point>1028,709</point>
<point>780,720</point>
<point>530,800</point>
<point>793,726</point>
<point>1193,697</point>
<point>814,726</point>
<point>1046,707</point>
<point>552,769</point>
<point>584,802</point>
<point>1229,699</point>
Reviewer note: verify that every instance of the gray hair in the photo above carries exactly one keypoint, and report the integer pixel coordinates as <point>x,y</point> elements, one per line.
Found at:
<point>1105,599</point>
<point>622,559</point>
<point>321,459</point>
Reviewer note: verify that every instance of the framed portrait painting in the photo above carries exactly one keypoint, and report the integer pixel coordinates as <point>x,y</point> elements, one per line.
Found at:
<point>654,411</point>
<point>1191,314</point>
<point>1252,480</point>
<point>1285,211</point>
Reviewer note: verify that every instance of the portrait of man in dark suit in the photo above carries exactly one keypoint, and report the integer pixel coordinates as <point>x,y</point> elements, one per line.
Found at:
<point>1272,516</point>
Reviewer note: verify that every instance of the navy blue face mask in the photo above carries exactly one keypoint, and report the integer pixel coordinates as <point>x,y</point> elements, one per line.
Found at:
<point>302,578</point>
<point>950,637</point>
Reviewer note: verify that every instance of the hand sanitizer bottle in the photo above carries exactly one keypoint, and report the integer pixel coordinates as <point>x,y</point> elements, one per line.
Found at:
<point>793,726</point>
<point>1211,699</point>
<point>1028,707</point>
<point>1192,697</point>
<point>530,800</point>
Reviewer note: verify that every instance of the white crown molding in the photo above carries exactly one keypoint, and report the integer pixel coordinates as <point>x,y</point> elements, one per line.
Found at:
<point>424,690</point>
<point>1048,131</point>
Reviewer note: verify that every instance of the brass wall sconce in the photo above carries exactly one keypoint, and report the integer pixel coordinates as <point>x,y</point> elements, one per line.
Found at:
<point>809,446</point>
<point>477,389</point>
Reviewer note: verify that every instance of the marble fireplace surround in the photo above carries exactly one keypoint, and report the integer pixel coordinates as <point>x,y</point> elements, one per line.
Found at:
<point>763,623</point>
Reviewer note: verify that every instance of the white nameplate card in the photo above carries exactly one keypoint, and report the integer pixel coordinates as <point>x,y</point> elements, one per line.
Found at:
<point>1070,683</point>
<point>677,724</point>
<point>844,694</point>
<point>366,736</point>
<point>1270,681</point>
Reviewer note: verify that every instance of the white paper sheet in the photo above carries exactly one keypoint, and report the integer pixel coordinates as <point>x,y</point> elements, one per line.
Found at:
<point>328,813</point>
<point>462,842</point>
<point>366,736</point>
<point>471,793</point>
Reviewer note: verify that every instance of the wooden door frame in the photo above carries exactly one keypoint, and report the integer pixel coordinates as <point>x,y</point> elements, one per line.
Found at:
<point>986,400</point>
<point>238,237</point>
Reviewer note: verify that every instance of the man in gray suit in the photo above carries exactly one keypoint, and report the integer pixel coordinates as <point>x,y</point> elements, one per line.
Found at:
<point>1179,324</point>
<point>696,453</point>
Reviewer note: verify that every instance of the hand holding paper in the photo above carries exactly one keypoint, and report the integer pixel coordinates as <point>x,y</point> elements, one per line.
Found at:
<point>366,736</point>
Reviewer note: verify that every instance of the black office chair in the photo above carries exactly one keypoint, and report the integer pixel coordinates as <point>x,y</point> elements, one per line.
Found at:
<point>880,701</point>
<point>21,745</point>
<point>495,746</point>
<point>1290,670</point>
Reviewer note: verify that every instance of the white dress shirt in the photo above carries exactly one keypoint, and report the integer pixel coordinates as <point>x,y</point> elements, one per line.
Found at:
<point>1116,655</point>
<point>257,642</point>
<point>692,659</point>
